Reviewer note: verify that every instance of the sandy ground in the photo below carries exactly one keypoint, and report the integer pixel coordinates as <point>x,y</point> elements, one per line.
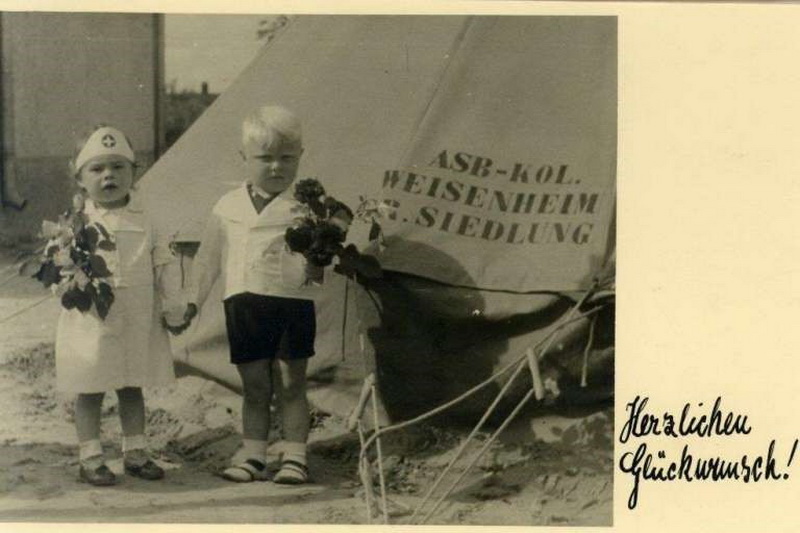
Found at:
<point>542,471</point>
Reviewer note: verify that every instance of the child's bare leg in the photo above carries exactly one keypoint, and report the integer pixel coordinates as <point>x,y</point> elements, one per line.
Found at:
<point>87,422</point>
<point>250,461</point>
<point>87,416</point>
<point>134,446</point>
<point>256,395</point>
<point>131,411</point>
<point>294,402</point>
<point>296,421</point>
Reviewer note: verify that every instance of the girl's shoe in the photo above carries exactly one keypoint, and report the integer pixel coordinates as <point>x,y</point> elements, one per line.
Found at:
<point>291,473</point>
<point>138,464</point>
<point>246,471</point>
<point>148,470</point>
<point>99,476</point>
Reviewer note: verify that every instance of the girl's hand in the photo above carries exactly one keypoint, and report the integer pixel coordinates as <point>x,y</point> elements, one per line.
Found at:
<point>188,315</point>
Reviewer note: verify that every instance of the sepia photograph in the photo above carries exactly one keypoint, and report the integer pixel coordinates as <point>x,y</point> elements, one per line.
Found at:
<point>308,268</point>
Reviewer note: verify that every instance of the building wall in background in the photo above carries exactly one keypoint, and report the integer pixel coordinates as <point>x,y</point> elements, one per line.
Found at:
<point>62,73</point>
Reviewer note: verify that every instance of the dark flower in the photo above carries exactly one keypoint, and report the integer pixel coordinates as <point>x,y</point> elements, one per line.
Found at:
<point>299,239</point>
<point>327,233</point>
<point>308,191</point>
<point>320,236</point>
<point>319,255</point>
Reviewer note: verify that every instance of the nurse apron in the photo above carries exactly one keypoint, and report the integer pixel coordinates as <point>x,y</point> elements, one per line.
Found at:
<point>129,348</point>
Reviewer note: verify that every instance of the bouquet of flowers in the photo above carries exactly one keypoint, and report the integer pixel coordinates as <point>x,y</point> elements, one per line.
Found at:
<point>319,234</point>
<point>69,262</point>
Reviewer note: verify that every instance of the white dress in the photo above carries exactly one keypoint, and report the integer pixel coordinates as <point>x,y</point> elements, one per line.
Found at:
<point>129,348</point>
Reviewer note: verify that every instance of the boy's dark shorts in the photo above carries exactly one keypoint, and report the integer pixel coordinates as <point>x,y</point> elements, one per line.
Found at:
<point>256,326</point>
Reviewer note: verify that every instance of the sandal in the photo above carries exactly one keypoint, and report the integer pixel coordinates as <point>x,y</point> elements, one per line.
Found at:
<point>291,473</point>
<point>246,471</point>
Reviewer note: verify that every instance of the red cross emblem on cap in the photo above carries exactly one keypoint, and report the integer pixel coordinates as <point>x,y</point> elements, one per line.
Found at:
<point>108,140</point>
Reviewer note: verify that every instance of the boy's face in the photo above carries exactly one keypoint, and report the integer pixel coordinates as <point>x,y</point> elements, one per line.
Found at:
<point>107,179</point>
<point>271,167</point>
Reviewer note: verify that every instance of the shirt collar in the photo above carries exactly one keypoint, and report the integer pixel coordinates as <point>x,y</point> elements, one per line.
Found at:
<point>258,191</point>
<point>134,205</point>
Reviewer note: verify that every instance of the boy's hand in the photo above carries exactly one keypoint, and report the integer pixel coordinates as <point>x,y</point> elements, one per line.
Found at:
<point>315,275</point>
<point>188,315</point>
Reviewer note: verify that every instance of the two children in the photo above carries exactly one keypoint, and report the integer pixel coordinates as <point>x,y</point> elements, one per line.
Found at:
<point>128,349</point>
<point>268,303</point>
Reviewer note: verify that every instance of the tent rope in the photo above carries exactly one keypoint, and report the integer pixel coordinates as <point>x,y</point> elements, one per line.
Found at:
<point>480,453</point>
<point>520,363</point>
<point>24,309</point>
<point>530,360</point>
<point>473,390</point>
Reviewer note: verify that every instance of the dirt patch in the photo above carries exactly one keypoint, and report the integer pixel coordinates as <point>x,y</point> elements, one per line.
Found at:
<point>541,471</point>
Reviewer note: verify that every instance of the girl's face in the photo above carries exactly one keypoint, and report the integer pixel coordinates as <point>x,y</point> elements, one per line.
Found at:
<point>107,179</point>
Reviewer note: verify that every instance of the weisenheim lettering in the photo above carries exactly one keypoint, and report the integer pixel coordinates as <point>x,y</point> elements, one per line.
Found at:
<point>694,420</point>
<point>561,214</point>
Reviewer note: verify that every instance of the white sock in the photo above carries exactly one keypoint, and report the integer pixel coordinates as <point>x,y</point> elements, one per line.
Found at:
<point>294,451</point>
<point>133,442</point>
<point>254,449</point>
<point>89,448</point>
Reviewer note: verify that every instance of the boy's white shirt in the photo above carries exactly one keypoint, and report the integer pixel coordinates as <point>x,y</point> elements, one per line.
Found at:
<point>249,250</point>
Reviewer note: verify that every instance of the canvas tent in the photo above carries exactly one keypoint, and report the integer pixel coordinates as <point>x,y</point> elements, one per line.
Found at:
<point>495,140</point>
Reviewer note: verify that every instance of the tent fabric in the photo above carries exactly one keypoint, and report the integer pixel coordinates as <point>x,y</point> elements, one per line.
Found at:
<point>358,84</point>
<point>439,96</point>
<point>512,169</point>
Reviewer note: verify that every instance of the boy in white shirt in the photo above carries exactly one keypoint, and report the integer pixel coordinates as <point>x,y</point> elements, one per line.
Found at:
<point>269,306</point>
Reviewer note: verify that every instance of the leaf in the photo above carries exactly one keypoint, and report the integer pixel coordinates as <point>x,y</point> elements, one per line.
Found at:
<point>104,299</point>
<point>350,250</point>
<point>82,300</point>
<point>374,231</point>
<point>345,269</point>
<point>68,299</point>
<point>103,230</point>
<point>49,274</point>
<point>79,257</point>
<point>91,291</point>
<point>330,203</point>
<point>98,266</point>
<point>107,245</point>
<point>347,264</point>
<point>87,239</point>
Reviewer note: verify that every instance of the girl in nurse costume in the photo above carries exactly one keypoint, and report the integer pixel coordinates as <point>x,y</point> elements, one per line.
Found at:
<point>129,349</point>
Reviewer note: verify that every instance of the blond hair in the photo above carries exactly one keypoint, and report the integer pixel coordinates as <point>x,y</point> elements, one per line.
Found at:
<point>272,124</point>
